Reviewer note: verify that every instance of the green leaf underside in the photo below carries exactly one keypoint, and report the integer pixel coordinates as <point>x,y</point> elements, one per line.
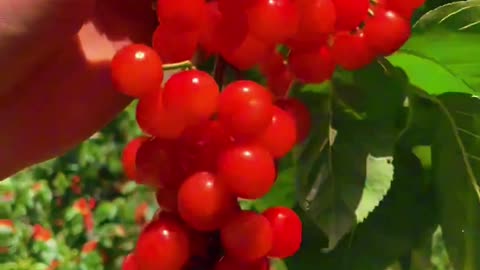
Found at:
<point>283,192</point>
<point>456,167</point>
<point>392,230</point>
<point>443,54</point>
<point>345,169</point>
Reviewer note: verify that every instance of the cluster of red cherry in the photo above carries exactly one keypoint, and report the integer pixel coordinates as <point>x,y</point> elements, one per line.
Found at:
<point>320,34</point>
<point>208,147</point>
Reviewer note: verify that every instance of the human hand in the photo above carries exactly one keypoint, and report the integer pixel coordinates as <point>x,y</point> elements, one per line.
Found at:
<point>55,87</point>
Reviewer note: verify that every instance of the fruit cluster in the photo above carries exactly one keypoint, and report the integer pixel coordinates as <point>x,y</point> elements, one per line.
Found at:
<point>205,149</point>
<point>319,34</point>
<point>209,145</point>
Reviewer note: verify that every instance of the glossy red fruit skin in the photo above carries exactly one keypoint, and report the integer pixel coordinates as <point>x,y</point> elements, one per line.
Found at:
<point>405,8</point>
<point>137,70</point>
<point>281,135</point>
<point>248,54</point>
<point>351,51</point>
<point>163,244</point>
<point>227,40</point>
<point>208,38</point>
<point>386,32</point>
<point>272,63</point>
<point>245,108</point>
<point>167,199</point>
<point>275,70</point>
<point>129,262</point>
<point>154,119</point>
<point>156,164</point>
<point>231,7</point>
<point>313,66</point>
<point>317,20</point>
<point>287,231</point>
<point>350,13</point>
<point>129,155</point>
<point>279,84</point>
<point>201,145</point>
<point>181,14</point>
<point>205,203</point>
<point>247,237</point>
<point>192,95</point>
<point>301,115</point>
<point>273,20</point>
<point>174,45</point>
<point>227,263</point>
<point>248,171</point>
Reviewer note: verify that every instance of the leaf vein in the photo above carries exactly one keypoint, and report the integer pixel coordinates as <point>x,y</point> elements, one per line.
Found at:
<point>454,13</point>
<point>468,26</point>
<point>476,136</point>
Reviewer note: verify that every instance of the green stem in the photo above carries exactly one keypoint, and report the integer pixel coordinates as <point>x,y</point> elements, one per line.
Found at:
<point>180,65</point>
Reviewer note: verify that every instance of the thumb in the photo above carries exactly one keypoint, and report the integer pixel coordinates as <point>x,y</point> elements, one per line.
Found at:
<point>30,29</point>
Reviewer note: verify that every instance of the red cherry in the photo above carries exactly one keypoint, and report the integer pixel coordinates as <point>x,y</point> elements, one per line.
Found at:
<point>167,199</point>
<point>272,63</point>
<point>129,262</point>
<point>351,51</point>
<point>386,32</point>
<point>163,244</point>
<point>137,70</point>
<point>248,171</point>
<point>405,8</point>
<point>201,145</point>
<point>208,38</point>
<point>204,203</point>
<point>245,108</point>
<point>156,164</point>
<point>314,66</point>
<point>154,119</point>
<point>247,237</point>
<point>174,45</point>
<point>280,84</point>
<point>192,95</point>
<point>232,7</point>
<point>287,231</point>
<point>247,54</point>
<point>317,20</point>
<point>301,115</point>
<point>280,137</point>
<point>205,246</point>
<point>181,14</point>
<point>228,40</point>
<point>279,78</point>
<point>129,155</point>
<point>273,20</point>
<point>227,263</point>
<point>350,13</point>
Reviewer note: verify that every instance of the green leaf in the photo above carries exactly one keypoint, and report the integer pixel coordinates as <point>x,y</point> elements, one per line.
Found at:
<point>421,70</point>
<point>404,216</point>
<point>105,211</point>
<point>456,167</point>
<point>443,53</point>
<point>283,192</point>
<point>345,169</point>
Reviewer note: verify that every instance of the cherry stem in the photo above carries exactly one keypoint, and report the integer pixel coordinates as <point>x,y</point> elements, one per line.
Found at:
<point>180,65</point>
<point>219,72</point>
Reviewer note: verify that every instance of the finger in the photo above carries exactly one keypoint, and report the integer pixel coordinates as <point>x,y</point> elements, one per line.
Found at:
<point>29,29</point>
<point>45,120</point>
<point>134,20</point>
